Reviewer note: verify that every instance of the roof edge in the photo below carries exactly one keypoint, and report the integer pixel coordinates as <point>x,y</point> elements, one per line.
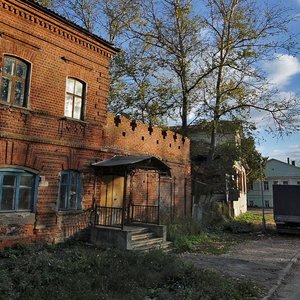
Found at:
<point>70,23</point>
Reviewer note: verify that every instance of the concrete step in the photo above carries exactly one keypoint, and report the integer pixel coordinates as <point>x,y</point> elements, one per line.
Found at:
<point>142,236</point>
<point>146,242</point>
<point>165,246</point>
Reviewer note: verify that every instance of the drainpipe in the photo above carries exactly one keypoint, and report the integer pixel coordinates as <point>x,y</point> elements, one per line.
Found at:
<point>185,184</point>
<point>124,199</point>
<point>158,202</point>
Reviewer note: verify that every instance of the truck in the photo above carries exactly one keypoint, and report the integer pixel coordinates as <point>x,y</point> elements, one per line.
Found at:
<point>286,204</point>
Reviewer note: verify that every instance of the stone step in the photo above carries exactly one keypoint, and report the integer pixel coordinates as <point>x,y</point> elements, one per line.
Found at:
<point>142,236</point>
<point>165,246</point>
<point>147,242</point>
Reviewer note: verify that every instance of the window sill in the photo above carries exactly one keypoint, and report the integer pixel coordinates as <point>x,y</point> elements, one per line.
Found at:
<point>16,212</point>
<point>70,212</point>
<point>84,123</point>
<point>12,107</point>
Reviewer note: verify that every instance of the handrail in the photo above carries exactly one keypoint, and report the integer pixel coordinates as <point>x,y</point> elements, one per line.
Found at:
<point>145,213</point>
<point>109,216</point>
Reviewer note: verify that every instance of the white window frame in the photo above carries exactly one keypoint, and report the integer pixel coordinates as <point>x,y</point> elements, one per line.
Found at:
<point>75,98</point>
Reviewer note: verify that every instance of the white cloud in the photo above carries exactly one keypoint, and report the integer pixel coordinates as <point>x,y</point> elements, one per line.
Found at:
<point>282,68</point>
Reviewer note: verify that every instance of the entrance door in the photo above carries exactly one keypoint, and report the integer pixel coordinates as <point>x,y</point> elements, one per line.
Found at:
<point>111,200</point>
<point>112,189</point>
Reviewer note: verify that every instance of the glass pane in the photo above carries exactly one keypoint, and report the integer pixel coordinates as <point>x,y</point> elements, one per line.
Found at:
<point>78,88</point>
<point>24,198</point>
<point>70,85</point>
<point>26,181</point>
<point>64,178</point>
<point>9,64</point>
<point>5,89</point>
<point>69,106</point>
<point>73,179</point>
<point>77,108</point>
<point>7,198</point>
<point>73,200</point>
<point>19,92</point>
<point>9,180</point>
<point>63,197</point>
<point>21,70</point>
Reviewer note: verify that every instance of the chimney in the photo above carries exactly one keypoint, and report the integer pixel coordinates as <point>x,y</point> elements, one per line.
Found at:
<point>293,163</point>
<point>288,160</point>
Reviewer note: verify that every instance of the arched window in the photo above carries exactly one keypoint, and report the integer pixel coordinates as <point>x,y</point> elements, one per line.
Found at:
<point>70,190</point>
<point>75,96</point>
<point>17,189</point>
<point>14,82</point>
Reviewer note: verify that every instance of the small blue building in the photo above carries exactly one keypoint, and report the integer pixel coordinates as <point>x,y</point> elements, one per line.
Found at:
<point>277,172</point>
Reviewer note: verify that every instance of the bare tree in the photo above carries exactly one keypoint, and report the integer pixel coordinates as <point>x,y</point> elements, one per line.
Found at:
<point>243,35</point>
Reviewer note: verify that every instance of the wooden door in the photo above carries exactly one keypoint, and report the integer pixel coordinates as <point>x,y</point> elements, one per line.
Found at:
<point>112,190</point>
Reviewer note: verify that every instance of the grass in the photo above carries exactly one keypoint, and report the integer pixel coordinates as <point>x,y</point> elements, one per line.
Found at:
<point>255,217</point>
<point>186,235</point>
<point>79,271</point>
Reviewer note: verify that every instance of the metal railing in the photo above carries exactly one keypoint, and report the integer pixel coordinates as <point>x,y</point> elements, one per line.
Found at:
<point>109,216</point>
<point>145,213</point>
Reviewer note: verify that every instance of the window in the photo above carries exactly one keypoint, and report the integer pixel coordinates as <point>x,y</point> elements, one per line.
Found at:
<point>275,182</point>
<point>266,185</point>
<point>298,182</point>
<point>251,203</point>
<point>285,182</point>
<point>70,190</point>
<point>267,203</point>
<point>74,104</point>
<point>17,189</point>
<point>14,81</point>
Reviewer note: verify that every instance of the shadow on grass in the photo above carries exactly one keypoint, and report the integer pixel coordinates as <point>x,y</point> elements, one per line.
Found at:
<point>79,271</point>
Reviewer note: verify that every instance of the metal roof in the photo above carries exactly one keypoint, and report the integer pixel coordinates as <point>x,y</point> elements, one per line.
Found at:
<point>142,162</point>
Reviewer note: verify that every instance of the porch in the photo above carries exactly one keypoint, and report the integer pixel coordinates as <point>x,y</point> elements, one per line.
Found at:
<point>127,213</point>
<point>139,237</point>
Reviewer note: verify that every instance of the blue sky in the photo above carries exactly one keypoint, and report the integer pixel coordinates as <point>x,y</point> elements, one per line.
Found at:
<point>284,71</point>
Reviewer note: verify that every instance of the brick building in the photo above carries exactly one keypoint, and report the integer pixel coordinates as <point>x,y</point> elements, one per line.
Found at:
<point>54,83</point>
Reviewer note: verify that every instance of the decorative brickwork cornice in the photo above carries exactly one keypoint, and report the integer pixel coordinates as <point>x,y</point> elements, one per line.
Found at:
<point>89,41</point>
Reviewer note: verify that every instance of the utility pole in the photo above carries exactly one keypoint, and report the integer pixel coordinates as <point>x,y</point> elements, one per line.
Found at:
<point>262,196</point>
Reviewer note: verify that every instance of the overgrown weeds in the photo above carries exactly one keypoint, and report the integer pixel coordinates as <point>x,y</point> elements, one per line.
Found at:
<point>79,271</point>
<point>189,235</point>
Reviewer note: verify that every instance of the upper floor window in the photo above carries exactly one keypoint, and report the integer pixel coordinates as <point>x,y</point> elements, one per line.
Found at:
<point>285,182</point>
<point>266,185</point>
<point>70,190</point>
<point>17,189</point>
<point>14,81</point>
<point>75,94</point>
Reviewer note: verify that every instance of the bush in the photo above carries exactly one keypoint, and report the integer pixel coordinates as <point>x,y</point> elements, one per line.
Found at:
<point>78,271</point>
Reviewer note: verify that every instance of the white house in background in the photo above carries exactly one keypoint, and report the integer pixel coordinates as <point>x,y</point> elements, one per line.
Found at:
<point>228,132</point>
<point>277,172</point>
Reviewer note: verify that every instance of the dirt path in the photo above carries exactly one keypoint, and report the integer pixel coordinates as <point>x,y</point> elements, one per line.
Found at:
<point>262,260</point>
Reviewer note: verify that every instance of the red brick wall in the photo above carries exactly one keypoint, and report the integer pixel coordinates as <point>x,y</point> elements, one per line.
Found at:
<point>171,148</point>
<point>39,138</point>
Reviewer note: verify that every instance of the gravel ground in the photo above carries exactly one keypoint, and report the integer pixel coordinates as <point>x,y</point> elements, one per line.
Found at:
<point>262,260</point>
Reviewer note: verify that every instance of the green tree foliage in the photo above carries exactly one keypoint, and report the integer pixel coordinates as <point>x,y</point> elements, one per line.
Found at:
<point>252,158</point>
<point>137,90</point>
<point>243,34</point>
<point>173,32</point>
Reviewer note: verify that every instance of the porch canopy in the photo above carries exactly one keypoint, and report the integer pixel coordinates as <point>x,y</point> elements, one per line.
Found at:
<point>124,210</point>
<point>127,163</point>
